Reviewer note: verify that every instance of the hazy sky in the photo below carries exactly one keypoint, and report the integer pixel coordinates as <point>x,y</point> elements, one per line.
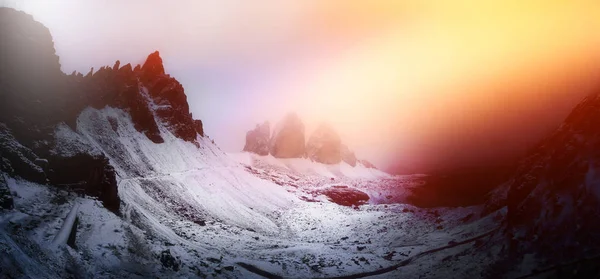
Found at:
<point>412,82</point>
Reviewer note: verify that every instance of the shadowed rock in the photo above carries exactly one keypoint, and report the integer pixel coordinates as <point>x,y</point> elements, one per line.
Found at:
<point>257,140</point>
<point>324,145</point>
<point>348,156</point>
<point>288,138</point>
<point>553,198</point>
<point>6,199</point>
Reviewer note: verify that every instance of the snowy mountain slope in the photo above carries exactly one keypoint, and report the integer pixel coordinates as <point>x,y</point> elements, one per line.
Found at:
<point>211,214</point>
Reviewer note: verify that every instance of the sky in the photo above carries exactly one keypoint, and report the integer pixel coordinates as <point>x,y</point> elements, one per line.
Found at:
<point>414,83</point>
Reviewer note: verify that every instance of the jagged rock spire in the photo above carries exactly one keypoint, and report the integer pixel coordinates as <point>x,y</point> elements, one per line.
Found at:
<point>153,66</point>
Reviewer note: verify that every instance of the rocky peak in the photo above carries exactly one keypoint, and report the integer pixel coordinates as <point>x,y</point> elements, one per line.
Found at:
<point>324,145</point>
<point>257,140</point>
<point>288,138</point>
<point>37,97</point>
<point>116,66</point>
<point>153,66</point>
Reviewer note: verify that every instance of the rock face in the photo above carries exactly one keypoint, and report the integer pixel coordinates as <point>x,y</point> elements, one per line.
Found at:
<point>94,177</point>
<point>17,159</point>
<point>288,139</point>
<point>199,127</point>
<point>367,164</point>
<point>37,96</point>
<point>169,99</point>
<point>324,145</point>
<point>257,140</point>
<point>348,156</point>
<point>553,199</point>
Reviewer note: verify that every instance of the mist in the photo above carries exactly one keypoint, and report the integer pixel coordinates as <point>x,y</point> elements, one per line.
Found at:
<point>413,86</point>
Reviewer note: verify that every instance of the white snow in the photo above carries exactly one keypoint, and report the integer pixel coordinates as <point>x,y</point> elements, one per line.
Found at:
<point>201,203</point>
<point>305,166</point>
<point>63,235</point>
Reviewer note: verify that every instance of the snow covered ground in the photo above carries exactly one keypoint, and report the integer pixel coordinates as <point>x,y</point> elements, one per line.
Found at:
<point>190,211</point>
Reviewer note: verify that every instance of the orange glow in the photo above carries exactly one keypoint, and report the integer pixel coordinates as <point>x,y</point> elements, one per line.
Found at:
<point>430,67</point>
<point>401,80</point>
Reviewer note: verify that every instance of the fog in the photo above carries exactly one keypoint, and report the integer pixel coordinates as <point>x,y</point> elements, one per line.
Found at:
<point>416,85</point>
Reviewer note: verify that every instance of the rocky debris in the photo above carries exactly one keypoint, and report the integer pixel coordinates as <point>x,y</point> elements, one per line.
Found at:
<point>257,140</point>
<point>288,139</point>
<point>324,145</point>
<point>553,199</point>
<point>348,156</point>
<point>344,195</point>
<point>6,199</point>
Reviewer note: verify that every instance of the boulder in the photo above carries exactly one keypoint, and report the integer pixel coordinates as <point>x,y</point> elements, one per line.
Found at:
<point>324,145</point>
<point>344,195</point>
<point>288,138</point>
<point>257,140</point>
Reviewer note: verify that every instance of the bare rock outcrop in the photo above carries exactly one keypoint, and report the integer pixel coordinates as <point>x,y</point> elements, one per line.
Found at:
<point>288,140</point>
<point>257,140</point>
<point>324,145</point>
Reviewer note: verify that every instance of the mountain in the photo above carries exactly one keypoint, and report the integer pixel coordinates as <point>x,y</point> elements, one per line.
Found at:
<point>108,175</point>
<point>554,196</point>
<point>323,146</point>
